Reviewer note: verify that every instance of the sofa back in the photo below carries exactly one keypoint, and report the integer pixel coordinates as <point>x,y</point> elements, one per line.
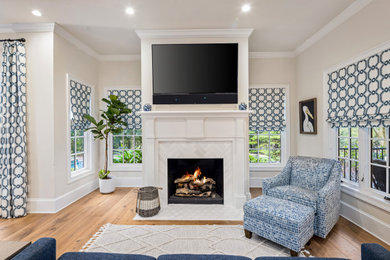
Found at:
<point>310,172</point>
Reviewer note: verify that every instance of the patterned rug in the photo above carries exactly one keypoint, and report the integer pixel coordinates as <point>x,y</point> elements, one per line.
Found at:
<point>155,240</point>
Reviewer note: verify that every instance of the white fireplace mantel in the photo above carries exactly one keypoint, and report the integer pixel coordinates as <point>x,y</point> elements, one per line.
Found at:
<point>198,134</point>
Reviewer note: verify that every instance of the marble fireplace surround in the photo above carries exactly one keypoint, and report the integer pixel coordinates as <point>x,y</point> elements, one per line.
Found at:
<point>198,134</point>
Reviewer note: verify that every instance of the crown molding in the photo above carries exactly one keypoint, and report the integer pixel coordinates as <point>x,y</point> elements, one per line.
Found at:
<point>271,55</point>
<point>120,57</point>
<point>76,42</point>
<point>191,33</point>
<point>350,11</point>
<point>26,27</point>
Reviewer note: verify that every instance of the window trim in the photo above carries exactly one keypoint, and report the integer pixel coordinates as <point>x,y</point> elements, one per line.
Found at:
<point>131,167</point>
<point>88,153</point>
<point>285,135</point>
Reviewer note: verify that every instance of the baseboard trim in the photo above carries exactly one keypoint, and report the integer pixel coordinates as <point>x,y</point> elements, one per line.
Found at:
<point>367,222</point>
<point>43,205</point>
<point>128,181</point>
<point>256,182</point>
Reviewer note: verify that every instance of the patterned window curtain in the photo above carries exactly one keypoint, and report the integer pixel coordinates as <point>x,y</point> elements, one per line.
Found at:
<point>359,94</point>
<point>80,104</point>
<point>132,98</point>
<point>13,156</point>
<point>268,107</point>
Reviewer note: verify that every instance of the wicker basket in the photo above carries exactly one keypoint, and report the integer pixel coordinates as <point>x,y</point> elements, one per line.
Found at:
<point>148,202</point>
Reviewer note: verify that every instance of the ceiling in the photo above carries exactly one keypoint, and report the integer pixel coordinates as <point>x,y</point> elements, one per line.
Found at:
<point>103,25</point>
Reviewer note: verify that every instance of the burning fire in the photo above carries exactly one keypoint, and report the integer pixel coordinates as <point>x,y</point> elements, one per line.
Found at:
<point>197,173</point>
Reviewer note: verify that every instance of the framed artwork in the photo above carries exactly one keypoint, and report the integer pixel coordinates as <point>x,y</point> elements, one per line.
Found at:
<point>308,116</point>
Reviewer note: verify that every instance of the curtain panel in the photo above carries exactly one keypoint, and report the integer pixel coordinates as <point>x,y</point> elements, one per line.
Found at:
<point>13,155</point>
<point>80,104</point>
<point>359,94</point>
<point>132,98</point>
<point>268,107</point>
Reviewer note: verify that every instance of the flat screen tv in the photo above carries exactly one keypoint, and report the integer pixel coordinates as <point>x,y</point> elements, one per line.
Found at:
<point>195,73</point>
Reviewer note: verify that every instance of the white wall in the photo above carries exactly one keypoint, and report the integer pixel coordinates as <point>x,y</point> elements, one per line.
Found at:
<point>365,30</point>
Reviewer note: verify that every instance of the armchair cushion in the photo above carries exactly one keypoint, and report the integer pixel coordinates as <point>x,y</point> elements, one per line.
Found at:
<point>295,194</point>
<point>310,173</point>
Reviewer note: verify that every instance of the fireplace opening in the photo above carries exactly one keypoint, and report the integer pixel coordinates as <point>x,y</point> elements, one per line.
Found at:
<point>195,181</point>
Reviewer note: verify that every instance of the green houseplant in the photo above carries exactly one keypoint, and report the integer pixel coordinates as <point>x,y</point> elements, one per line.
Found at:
<point>111,123</point>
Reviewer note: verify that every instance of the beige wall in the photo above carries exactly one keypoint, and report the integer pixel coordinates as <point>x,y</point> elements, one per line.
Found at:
<point>365,30</point>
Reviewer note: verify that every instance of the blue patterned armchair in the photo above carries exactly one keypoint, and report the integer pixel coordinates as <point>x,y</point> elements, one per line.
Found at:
<point>313,182</point>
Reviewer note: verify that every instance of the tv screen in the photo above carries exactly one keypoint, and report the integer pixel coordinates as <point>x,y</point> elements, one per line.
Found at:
<point>195,73</point>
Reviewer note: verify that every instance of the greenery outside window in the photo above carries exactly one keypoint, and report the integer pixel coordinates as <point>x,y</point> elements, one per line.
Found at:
<point>265,147</point>
<point>78,158</point>
<point>127,148</point>
<point>348,153</point>
<point>379,159</point>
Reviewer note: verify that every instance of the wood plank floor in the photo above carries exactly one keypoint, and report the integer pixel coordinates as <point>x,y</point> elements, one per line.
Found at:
<point>74,225</point>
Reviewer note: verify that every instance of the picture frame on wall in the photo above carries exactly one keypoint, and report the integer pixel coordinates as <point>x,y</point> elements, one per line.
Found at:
<point>308,116</point>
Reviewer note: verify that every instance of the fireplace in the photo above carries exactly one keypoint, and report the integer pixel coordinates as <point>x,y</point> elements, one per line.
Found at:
<point>195,181</point>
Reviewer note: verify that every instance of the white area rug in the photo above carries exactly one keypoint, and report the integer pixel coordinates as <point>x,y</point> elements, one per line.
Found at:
<point>196,212</point>
<point>155,240</point>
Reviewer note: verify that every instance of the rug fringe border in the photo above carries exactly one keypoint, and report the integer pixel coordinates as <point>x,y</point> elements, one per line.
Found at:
<point>92,240</point>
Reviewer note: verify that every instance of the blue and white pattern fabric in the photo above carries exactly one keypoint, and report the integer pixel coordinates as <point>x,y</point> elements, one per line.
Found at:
<point>132,98</point>
<point>281,221</point>
<point>268,106</point>
<point>13,155</point>
<point>323,177</point>
<point>359,94</point>
<point>80,104</point>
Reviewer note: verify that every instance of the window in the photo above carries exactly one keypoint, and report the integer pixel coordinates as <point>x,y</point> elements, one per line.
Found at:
<point>127,147</point>
<point>379,159</point>
<point>77,150</point>
<point>348,153</point>
<point>265,147</point>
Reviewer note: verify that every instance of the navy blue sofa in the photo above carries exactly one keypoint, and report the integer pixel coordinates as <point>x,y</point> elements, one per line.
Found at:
<point>45,249</point>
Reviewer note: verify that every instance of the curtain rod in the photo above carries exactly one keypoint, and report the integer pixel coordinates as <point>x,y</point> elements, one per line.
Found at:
<point>10,40</point>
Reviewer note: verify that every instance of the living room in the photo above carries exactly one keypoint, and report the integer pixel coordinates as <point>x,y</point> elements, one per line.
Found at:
<point>221,129</point>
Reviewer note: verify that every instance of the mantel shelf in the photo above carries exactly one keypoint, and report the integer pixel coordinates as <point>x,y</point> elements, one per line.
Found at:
<point>199,113</point>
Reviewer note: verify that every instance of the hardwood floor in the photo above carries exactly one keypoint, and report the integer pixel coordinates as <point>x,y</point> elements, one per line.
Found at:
<point>73,226</point>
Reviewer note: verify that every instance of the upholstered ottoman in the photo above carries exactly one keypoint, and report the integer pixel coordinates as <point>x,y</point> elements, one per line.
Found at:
<point>283,222</point>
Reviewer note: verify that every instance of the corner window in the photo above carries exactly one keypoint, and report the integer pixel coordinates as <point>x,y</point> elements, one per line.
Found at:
<point>348,153</point>
<point>127,148</point>
<point>265,147</point>
<point>379,159</point>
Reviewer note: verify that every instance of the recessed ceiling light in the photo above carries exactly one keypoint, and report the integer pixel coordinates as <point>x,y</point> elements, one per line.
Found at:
<point>130,10</point>
<point>36,13</point>
<point>245,8</point>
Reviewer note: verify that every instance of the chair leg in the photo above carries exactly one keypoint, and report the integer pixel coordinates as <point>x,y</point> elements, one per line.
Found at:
<point>248,234</point>
<point>293,253</point>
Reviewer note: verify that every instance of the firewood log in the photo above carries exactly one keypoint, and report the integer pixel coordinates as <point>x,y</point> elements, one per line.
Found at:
<point>187,191</point>
<point>184,179</point>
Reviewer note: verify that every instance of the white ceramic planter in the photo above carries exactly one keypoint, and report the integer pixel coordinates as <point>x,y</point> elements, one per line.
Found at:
<point>107,185</point>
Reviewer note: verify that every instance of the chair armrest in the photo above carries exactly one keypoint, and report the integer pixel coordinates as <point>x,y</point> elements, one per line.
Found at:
<point>371,251</point>
<point>42,249</point>
<point>283,178</point>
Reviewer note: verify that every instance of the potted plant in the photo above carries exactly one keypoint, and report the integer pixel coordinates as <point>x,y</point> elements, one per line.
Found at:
<point>112,123</point>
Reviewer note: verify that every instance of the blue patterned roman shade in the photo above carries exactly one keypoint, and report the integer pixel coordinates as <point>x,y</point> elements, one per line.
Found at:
<point>132,98</point>
<point>359,94</point>
<point>268,107</point>
<point>80,104</point>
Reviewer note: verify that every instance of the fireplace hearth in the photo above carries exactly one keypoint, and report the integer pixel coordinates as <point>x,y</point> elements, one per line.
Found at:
<point>195,181</point>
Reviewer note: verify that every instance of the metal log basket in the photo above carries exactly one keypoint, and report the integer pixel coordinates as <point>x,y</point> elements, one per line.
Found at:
<point>148,201</point>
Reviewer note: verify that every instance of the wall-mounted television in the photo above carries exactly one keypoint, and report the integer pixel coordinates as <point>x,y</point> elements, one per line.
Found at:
<point>195,73</point>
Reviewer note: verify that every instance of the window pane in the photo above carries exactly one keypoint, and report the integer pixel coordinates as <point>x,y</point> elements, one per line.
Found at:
<point>71,132</point>
<point>79,161</point>
<point>117,156</point>
<point>275,132</point>
<point>343,167</point>
<point>343,147</point>
<point>128,142</point>
<point>80,145</point>
<point>354,132</point>
<point>275,142</point>
<point>72,165</point>
<point>128,132</point>
<point>138,142</point>
<point>80,133</point>
<point>378,132</point>
<point>343,131</point>
<point>378,178</point>
<point>264,132</point>
<point>138,156</point>
<point>264,142</point>
<point>253,156</point>
<point>253,141</point>
<point>117,142</point>
<point>128,156</point>
<point>264,156</point>
<point>72,145</point>
<point>378,152</point>
<point>275,155</point>
<point>138,131</point>
<point>354,171</point>
<point>354,148</point>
